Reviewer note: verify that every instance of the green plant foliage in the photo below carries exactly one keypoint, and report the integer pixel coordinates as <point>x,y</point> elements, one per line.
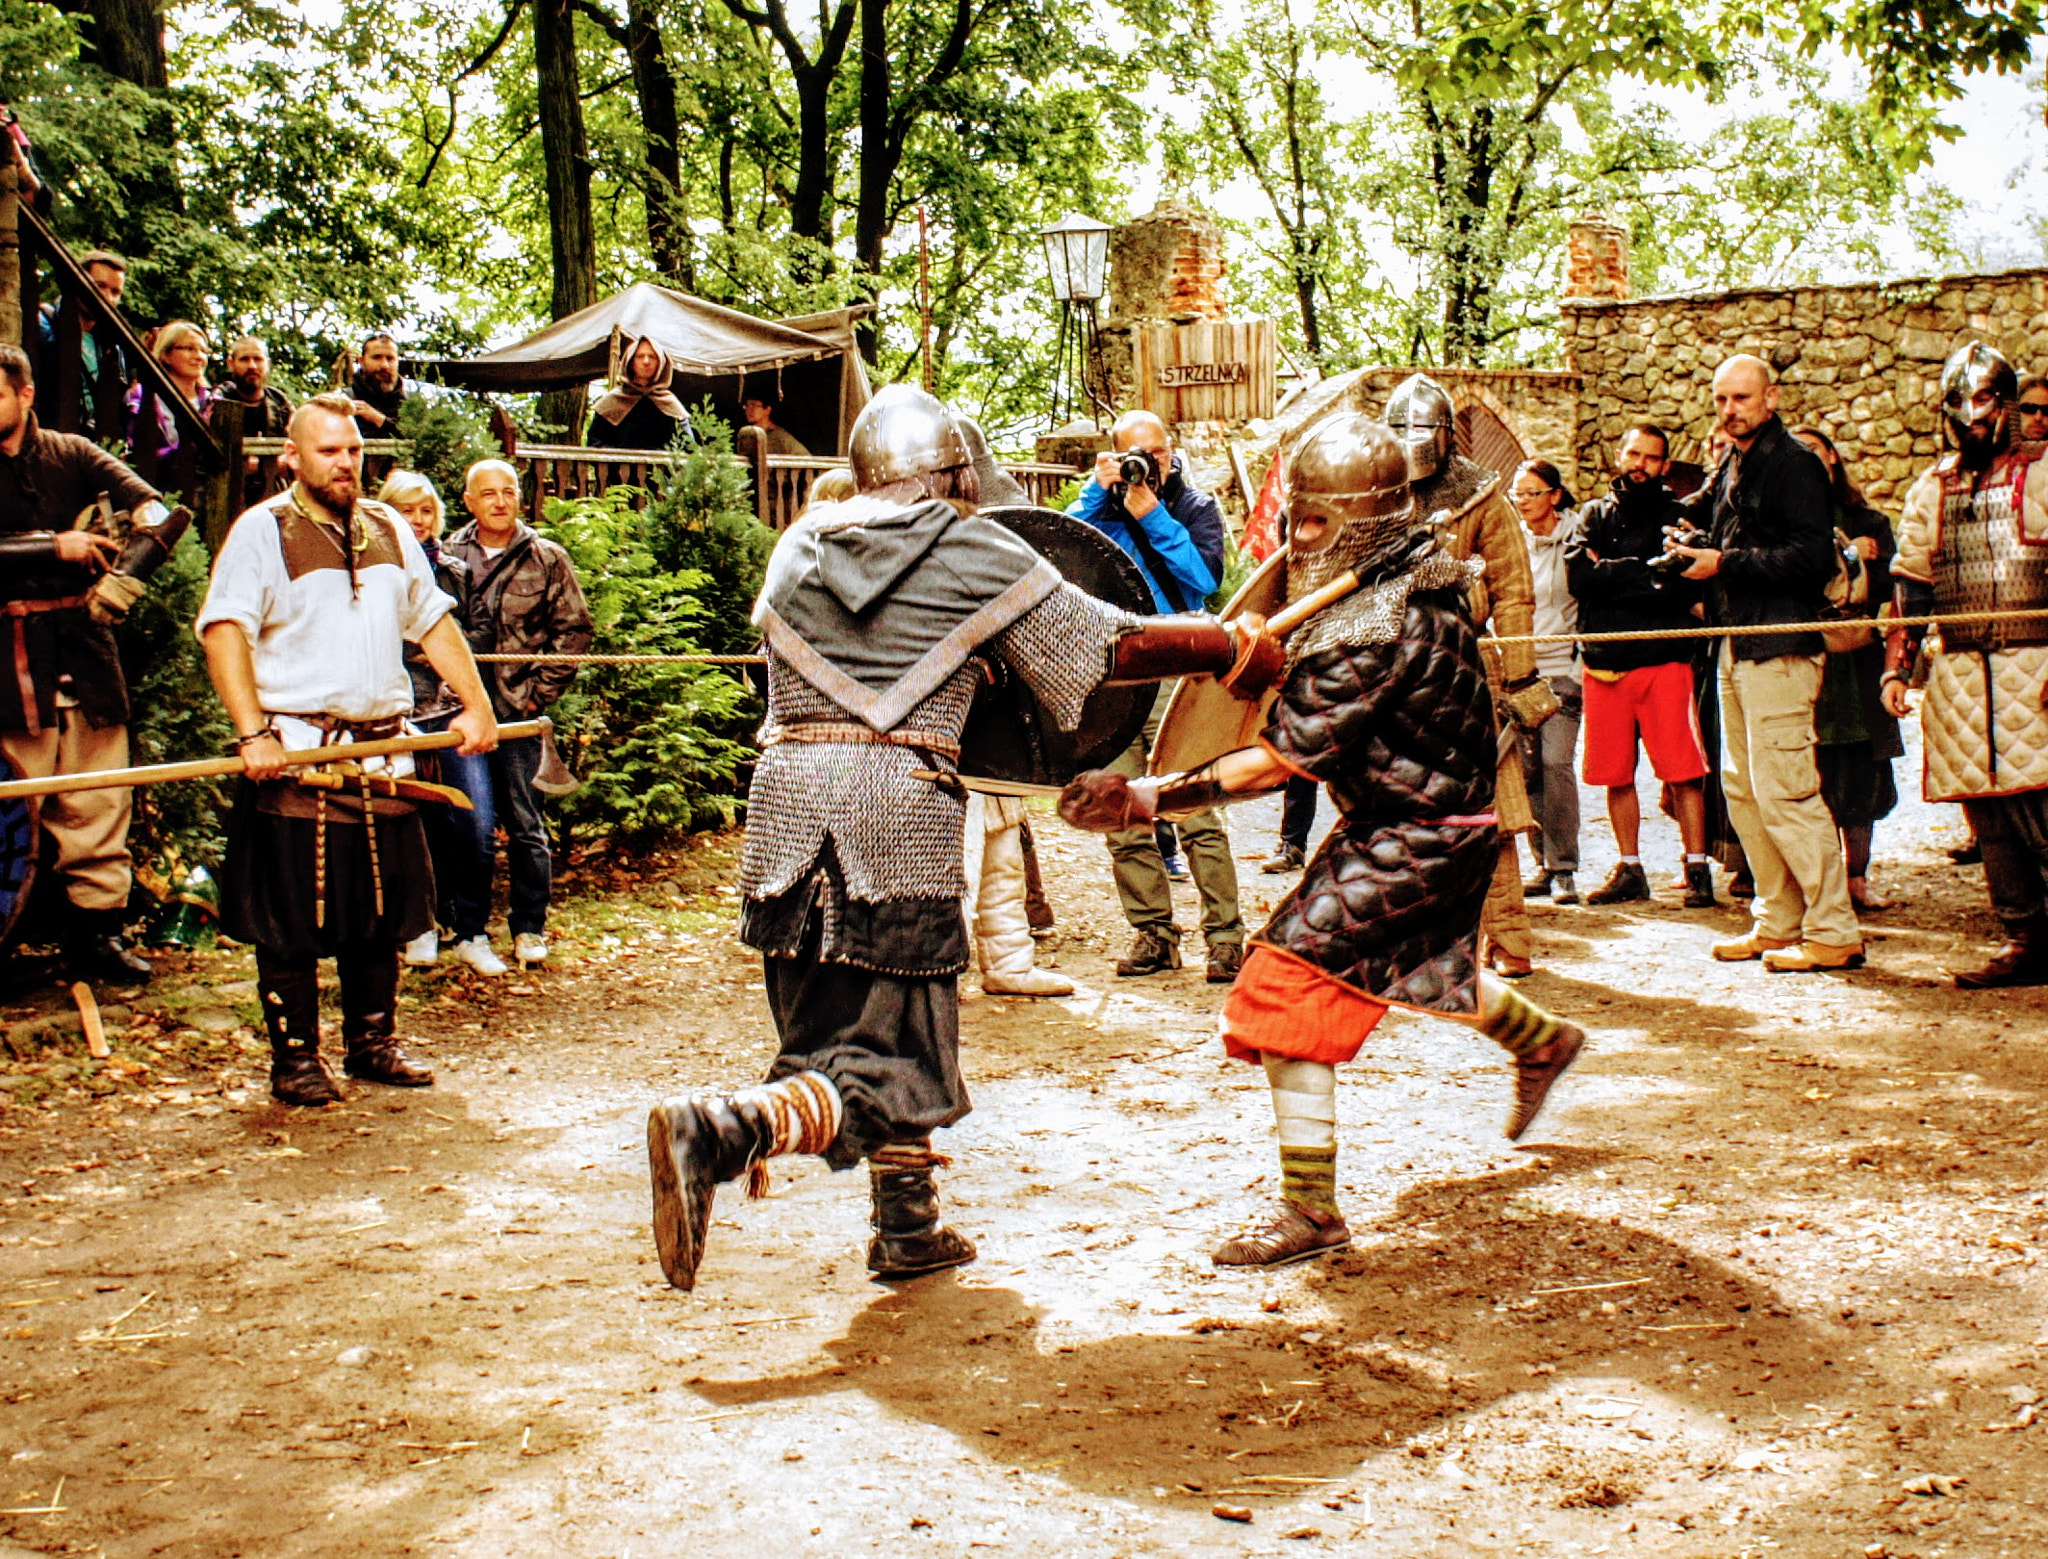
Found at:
<point>662,748</point>
<point>442,437</point>
<point>175,715</point>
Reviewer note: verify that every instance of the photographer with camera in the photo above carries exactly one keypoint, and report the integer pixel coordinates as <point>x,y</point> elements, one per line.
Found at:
<point>1139,496</point>
<point>1626,582</point>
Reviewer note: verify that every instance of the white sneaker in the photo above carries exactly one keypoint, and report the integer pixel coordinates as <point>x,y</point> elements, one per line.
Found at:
<point>424,949</point>
<point>1027,982</point>
<point>476,952</point>
<point>530,947</point>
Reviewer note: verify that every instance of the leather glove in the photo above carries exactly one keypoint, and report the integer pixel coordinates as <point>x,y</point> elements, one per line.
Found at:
<point>1102,802</point>
<point>109,600</point>
<point>1260,658</point>
<point>1530,704</point>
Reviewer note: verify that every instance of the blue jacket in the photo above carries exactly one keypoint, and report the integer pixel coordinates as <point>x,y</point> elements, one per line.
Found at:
<point>1184,535</point>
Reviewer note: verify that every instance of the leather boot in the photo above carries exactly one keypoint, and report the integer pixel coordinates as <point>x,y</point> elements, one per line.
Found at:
<point>96,948</point>
<point>290,994</point>
<point>694,1146</point>
<point>369,1018</point>
<point>909,1239</point>
<point>2022,961</point>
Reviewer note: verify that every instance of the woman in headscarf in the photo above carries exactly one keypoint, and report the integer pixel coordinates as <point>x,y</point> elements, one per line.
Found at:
<point>642,412</point>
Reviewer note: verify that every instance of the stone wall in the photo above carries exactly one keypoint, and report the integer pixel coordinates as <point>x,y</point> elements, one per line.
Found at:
<point>1862,362</point>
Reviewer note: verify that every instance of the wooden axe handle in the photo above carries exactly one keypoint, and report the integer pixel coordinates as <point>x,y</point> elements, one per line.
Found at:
<point>212,768</point>
<point>1284,622</point>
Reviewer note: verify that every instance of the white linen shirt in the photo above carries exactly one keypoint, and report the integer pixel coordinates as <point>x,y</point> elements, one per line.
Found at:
<point>282,578</point>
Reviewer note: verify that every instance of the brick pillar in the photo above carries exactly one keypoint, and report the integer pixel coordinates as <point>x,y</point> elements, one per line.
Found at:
<point>1167,264</point>
<point>1596,259</point>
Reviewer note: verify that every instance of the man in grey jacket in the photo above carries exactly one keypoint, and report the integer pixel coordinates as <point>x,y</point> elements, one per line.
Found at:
<point>523,597</point>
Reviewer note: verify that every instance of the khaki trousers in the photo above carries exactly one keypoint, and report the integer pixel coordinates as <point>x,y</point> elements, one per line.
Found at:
<point>1771,778</point>
<point>90,827</point>
<point>1141,881</point>
<point>1504,919</point>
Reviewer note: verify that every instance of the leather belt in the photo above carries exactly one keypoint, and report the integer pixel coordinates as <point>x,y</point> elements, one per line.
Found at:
<point>31,608</point>
<point>863,736</point>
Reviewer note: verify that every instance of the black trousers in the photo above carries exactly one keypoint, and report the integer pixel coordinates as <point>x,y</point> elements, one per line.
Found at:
<point>2013,831</point>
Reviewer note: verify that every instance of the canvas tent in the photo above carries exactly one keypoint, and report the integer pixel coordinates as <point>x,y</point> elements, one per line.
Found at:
<point>810,364</point>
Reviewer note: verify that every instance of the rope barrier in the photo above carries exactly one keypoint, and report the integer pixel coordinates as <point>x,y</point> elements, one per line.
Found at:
<point>1883,625</point>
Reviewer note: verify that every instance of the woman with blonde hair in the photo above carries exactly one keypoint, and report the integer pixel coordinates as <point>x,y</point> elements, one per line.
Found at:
<point>418,503</point>
<point>181,349</point>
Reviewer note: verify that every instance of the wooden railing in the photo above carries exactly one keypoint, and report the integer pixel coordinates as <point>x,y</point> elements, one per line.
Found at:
<point>782,483</point>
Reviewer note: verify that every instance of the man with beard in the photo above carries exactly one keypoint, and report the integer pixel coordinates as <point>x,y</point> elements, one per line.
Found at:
<point>1385,701</point>
<point>1465,500</point>
<point>879,614</point>
<point>266,410</point>
<point>64,710</point>
<point>378,389</point>
<point>1640,689</point>
<point>1974,538</point>
<point>314,596</point>
<point>1767,559</point>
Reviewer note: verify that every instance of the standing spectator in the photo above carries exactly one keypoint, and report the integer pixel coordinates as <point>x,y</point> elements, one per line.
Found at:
<point>521,595</point>
<point>1173,531</point>
<point>107,374</point>
<point>1297,818</point>
<point>64,709</point>
<point>182,349</point>
<point>434,704</point>
<point>266,410</point>
<point>2031,413</point>
<point>1641,690</point>
<point>759,409</point>
<point>1550,752</point>
<point>1857,734</point>
<point>312,598</point>
<point>641,411</point>
<point>378,388</point>
<point>1769,555</point>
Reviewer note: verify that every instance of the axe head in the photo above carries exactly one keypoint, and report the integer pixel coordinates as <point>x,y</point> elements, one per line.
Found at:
<point>553,778</point>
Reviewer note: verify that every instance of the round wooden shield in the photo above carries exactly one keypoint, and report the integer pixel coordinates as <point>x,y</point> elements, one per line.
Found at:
<point>18,837</point>
<point>1202,721</point>
<point>1008,736</point>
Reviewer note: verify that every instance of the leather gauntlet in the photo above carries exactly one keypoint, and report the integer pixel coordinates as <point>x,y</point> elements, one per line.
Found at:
<point>1103,802</point>
<point>1242,655</point>
<point>1530,703</point>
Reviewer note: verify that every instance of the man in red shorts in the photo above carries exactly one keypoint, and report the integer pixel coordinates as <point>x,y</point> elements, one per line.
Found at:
<point>1640,691</point>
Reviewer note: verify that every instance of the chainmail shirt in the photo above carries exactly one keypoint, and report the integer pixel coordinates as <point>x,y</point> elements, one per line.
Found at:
<point>1373,613</point>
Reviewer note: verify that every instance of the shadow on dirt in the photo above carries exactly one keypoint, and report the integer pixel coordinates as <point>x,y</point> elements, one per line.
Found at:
<point>1441,1311</point>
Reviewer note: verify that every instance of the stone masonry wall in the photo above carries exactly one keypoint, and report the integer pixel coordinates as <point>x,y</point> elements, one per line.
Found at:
<point>1862,362</point>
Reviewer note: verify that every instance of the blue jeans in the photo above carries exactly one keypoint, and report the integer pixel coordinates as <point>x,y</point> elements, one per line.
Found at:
<point>463,844</point>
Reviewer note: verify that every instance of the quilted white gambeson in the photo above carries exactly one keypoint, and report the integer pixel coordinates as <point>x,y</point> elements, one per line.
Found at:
<point>1960,724</point>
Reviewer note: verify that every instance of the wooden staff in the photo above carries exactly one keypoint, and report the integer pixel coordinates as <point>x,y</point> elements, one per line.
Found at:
<point>1284,622</point>
<point>214,768</point>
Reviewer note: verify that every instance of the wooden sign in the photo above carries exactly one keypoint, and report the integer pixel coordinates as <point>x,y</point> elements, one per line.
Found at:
<point>1206,370</point>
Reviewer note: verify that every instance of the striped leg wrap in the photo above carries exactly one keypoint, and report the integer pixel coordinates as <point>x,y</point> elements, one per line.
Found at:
<point>1308,1177</point>
<point>898,1157</point>
<point>803,1114</point>
<point>1511,1020</point>
<point>1305,1118</point>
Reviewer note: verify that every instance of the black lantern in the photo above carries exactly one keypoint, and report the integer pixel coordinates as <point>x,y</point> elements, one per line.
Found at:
<point>1077,261</point>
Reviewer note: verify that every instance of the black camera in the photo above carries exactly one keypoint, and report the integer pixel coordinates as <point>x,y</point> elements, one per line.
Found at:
<point>1672,564</point>
<point>1136,468</point>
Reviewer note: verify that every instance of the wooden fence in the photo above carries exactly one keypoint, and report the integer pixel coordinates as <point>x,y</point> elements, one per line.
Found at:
<point>782,483</point>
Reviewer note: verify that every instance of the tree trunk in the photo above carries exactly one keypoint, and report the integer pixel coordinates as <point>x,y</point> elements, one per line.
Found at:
<point>877,165</point>
<point>566,155</point>
<point>127,40</point>
<point>654,83</point>
<point>1305,282</point>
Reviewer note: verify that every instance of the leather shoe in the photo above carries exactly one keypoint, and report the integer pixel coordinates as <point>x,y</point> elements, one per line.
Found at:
<point>1626,884</point>
<point>1699,885</point>
<point>1509,966</point>
<point>1225,960</point>
<point>1151,953</point>
<point>1536,885</point>
<point>1564,888</point>
<point>299,1077</point>
<point>1283,860</point>
<point>1809,956</point>
<point>2022,961</point>
<point>383,1061</point>
<point>1754,945</point>
<point>1295,1233</point>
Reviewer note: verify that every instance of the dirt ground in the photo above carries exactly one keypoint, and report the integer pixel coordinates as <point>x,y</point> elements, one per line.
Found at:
<point>1769,1279</point>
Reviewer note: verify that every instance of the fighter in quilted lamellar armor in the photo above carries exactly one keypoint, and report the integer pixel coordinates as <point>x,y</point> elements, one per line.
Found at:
<point>1386,702</point>
<point>1974,539</point>
<point>882,616</point>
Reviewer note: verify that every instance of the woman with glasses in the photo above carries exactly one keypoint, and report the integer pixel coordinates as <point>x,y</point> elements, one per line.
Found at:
<point>182,349</point>
<point>1550,752</point>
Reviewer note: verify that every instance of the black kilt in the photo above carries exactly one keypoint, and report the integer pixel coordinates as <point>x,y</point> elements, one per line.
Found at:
<point>267,881</point>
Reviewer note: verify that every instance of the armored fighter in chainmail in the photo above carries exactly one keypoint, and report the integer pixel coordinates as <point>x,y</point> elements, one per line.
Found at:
<point>1466,500</point>
<point>1974,538</point>
<point>880,615</point>
<point>1385,701</point>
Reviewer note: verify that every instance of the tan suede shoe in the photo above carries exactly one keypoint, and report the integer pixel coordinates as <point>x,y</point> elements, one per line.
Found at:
<point>1808,956</point>
<point>1755,945</point>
